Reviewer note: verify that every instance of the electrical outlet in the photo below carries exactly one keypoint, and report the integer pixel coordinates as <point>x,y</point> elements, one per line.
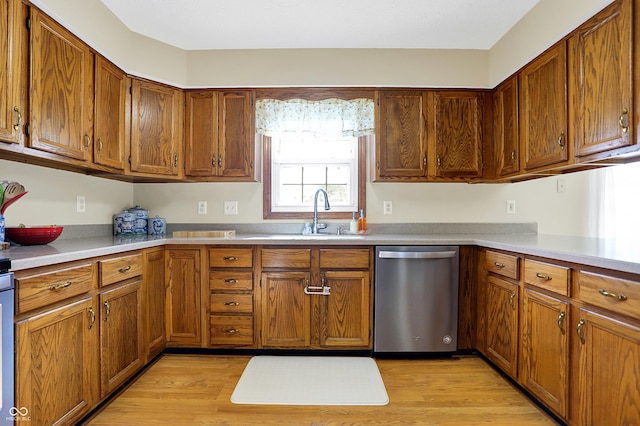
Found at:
<point>387,207</point>
<point>230,208</point>
<point>560,186</point>
<point>511,206</point>
<point>81,204</point>
<point>202,207</point>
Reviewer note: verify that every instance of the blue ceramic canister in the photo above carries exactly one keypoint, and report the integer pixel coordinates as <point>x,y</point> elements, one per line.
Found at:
<point>157,226</point>
<point>141,218</point>
<point>118,218</point>
<point>128,222</point>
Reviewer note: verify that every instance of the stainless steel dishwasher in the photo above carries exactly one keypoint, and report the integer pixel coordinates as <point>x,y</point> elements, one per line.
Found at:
<point>416,299</point>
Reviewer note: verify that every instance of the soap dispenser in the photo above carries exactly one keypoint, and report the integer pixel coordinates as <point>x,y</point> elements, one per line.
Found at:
<point>353,225</point>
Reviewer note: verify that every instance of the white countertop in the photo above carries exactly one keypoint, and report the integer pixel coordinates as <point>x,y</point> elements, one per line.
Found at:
<point>601,253</point>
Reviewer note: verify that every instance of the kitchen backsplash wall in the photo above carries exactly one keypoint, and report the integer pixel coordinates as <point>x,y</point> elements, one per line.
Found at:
<point>52,200</point>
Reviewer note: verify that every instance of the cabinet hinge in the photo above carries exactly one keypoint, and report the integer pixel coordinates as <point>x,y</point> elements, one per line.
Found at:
<point>28,23</point>
<point>131,90</point>
<point>129,159</point>
<point>378,101</point>
<point>27,130</point>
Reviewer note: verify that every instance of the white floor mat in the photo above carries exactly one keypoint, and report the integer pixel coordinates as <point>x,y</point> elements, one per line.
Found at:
<point>310,380</point>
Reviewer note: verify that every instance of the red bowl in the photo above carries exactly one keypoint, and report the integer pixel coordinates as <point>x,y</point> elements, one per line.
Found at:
<point>33,235</point>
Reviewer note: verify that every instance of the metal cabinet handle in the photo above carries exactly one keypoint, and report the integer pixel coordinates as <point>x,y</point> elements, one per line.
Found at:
<point>59,286</point>
<point>561,140</point>
<point>125,269</point>
<point>107,310</point>
<point>623,116</point>
<point>231,281</point>
<point>580,331</point>
<point>231,330</point>
<point>87,140</point>
<point>561,322</point>
<point>230,258</point>
<point>18,118</point>
<point>231,303</point>
<point>175,160</point>
<point>544,277</point>
<point>92,317</point>
<point>620,297</point>
<point>512,300</point>
<point>99,140</point>
<point>499,265</point>
<point>220,160</point>
<point>513,155</point>
<point>424,161</point>
<point>438,161</point>
<point>321,290</point>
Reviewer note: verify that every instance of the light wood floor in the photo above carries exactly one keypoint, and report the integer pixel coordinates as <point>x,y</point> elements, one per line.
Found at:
<point>196,390</point>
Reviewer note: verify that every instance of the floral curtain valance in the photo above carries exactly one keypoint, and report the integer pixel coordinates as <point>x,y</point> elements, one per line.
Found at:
<point>329,117</point>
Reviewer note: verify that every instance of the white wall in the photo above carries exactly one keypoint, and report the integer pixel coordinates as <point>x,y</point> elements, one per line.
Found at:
<point>53,193</point>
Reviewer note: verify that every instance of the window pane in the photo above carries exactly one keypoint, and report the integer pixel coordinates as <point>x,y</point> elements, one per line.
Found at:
<point>338,195</point>
<point>338,174</point>
<point>315,175</point>
<point>290,175</point>
<point>290,195</point>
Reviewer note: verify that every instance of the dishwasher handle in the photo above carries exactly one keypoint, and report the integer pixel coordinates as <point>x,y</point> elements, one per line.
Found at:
<point>385,254</point>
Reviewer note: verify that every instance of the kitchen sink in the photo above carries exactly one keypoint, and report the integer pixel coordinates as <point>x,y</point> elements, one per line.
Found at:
<point>299,237</point>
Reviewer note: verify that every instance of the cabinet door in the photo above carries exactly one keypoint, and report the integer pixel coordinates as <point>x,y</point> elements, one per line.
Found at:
<point>156,128</point>
<point>13,52</point>
<point>183,303</point>
<point>502,324</point>
<point>401,141</point>
<point>505,127</point>
<point>111,100</point>
<point>458,134</point>
<point>61,90</point>
<point>154,298</point>
<point>286,313</point>
<point>543,109</point>
<point>55,358</point>
<point>601,70</point>
<point>236,135</point>
<point>545,349</point>
<point>609,370</point>
<point>121,350</point>
<point>201,133</point>
<point>345,314</point>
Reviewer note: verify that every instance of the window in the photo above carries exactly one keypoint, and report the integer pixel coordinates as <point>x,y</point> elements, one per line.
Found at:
<point>310,145</point>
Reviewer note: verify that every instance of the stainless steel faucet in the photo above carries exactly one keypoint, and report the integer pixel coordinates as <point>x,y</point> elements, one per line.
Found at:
<point>317,226</point>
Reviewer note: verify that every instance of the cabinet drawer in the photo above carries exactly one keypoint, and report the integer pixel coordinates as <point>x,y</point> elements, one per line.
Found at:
<point>230,258</point>
<point>286,258</point>
<point>344,258</point>
<point>615,294</point>
<point>119,269</point>
<point>231,330</point>
<point>502,264</point>
<point>544,275</point>
<point>231,280</point>
<point>47,288</point>
<point>232,303</point>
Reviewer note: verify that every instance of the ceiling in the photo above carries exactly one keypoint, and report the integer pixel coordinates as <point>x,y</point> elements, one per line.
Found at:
<point>287,24</point>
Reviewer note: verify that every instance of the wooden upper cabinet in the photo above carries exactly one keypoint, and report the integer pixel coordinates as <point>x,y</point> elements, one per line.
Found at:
<point>61,90</point>
<point>401,137</point>
<point>156,128</point>
<point>110,114</point>
<point>458,133</point>
<point>505,128</point>
<point>220,134</point>
<point>601,84</point>
<point>543,110</point>
<point>13,71</point>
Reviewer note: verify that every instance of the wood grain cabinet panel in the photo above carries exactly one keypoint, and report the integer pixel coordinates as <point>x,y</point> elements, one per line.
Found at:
<point>506,150</point>
<point>13,71</point>
<point>120,268</point>
<point>602,81</point>
<point>62,90</point>
<point>55,359</point>
<point>458,134</point>
<point>154,293</point>
<point>183,304</point>
<point>400,151</point>
<point>502,316</point>
<point>545,349</point>
<point>543,110</point>
<point>157,115</point>
<point>555,278</point>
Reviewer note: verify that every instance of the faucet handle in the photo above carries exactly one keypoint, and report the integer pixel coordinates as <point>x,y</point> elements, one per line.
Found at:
<point>321,226</point>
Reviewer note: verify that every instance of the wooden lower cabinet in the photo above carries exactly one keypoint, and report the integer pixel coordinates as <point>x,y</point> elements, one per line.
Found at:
<point>545,349</point>
<point>55,359</point>
<point>154,293</point>
<point>501,304</point>
<point>183,301</point>
<point>609,369</point>
<point>121,349</point>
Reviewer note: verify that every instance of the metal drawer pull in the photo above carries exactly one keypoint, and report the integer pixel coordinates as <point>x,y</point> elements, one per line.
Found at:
<point>19,119</point>
<point>499,265</point>
<point>124,269</point>
<point>230,258</point>
<point>416,254</point>
<point>92,317</point>
<point>231,330</point>
<point>625,127</point>
<point>512,299</point>
<point>231,303</point>
<point>324,291</point>
<point>231,281</point>
<point>620,297</point>
<point>580,331</point>
<point>59,286</point>
<point>107,311</point>
<point>561,322</point>
<point>544,277</point>
<point>561,141</point>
